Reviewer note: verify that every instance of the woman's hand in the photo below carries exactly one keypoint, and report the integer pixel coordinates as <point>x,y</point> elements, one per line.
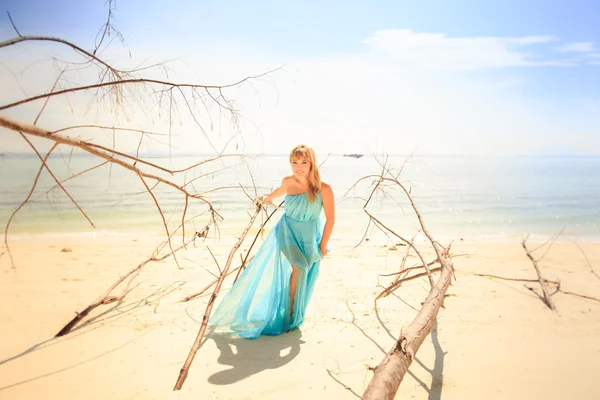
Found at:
<point>324,251</point>
<point>262,201</point>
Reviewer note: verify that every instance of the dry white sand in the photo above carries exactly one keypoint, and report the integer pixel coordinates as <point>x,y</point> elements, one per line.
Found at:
<point>494,340</point>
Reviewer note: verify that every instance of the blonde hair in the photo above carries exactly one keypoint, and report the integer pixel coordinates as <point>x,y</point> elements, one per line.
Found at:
<point>314,177</point>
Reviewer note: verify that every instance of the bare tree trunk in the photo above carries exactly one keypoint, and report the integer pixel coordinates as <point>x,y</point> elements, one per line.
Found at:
<point>391,371</point>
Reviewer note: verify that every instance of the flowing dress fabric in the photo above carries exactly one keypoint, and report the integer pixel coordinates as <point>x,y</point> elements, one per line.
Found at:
<point>259,301</point>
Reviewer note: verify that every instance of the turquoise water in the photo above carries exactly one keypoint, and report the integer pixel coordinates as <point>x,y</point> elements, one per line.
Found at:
<point>478,198</point>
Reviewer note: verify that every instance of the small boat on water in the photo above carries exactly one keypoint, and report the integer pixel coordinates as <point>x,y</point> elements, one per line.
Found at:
<point>353,155</point>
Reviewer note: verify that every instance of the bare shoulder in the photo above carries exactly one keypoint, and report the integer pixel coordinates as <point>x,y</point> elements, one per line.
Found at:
<point>326,189</point>
<point>287,180</point>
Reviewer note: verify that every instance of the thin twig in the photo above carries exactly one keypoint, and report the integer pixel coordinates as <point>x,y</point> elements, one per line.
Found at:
<point>56,180</point>
<point>587,260</point>
<point>260,230</point>
<point>547,299</point>
<point>215,260</point>
<point>13,24</point>
<point>396,284</point>
<point>35,182</point>
<point>115,83</point>
<point>162,216</point>
<point>517,279</point>
<point>106,298</point>
<point>580,295</point>
<point>73,142</point>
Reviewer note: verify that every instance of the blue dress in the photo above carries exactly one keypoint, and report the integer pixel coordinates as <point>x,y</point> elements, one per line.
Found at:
<point>259,301</point>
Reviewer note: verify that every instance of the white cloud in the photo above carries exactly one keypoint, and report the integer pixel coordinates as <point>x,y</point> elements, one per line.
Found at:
<point>576,47</point>
<point>353,102</point>
<point>438,51</point>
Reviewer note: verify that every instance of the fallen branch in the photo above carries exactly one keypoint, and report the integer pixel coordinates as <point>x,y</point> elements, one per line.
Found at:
<point>580,295</point>
<point>517,279</point>
<point>190,358</point>
<point>132,274</point>
<point>399,282</point>
<point>389,373</point>
<point>385,228</point>
<point>541,280</point>
<point>403,263</point>
<point>545,280</point>
<point>429,264</point>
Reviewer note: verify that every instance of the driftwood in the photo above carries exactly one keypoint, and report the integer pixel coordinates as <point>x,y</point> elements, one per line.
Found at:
<point>132,274</point>
<point>389,373</point>
<point>541,279</point>
<point>516,279</point>
<point>188,362</point>
<point>403,263</point>
<point>382,180</point>
<point>399,282</point>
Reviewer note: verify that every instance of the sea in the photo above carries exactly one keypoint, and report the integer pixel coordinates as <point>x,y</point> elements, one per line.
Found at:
<point>473,198</point>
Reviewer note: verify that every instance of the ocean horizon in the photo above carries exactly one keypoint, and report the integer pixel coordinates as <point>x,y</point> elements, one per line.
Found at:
<point>477,198</point>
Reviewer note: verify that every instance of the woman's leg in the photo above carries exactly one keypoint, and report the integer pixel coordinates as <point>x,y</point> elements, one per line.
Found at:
<point>293,280</point>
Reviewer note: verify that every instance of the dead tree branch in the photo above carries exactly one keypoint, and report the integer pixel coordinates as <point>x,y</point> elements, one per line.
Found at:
<point>13,24</point>
<point>382,226</point>
<point>587,260</point>
<point>396,284</point>
<point>132,274</point>
<point>541,279</point>
<point>33,130</point>
<point>546,281</point>
<point>188,362</point>
<point>516,279</point>
<point>389,374</point>
<point>125,82</point>
<point>245,261</point>
<point>35,182</point>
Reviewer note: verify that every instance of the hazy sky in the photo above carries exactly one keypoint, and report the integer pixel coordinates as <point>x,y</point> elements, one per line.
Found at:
<point>439,76</point>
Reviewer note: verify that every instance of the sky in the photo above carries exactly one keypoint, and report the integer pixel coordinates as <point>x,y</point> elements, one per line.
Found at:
<point>435,77</point>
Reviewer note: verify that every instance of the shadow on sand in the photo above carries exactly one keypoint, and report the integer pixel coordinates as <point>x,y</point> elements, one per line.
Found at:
<point>434,390</point>
<point>437,372</point>
<point>253,356</point>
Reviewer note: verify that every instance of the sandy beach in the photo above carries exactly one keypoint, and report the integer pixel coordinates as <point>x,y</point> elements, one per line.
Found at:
<point>494,340</point>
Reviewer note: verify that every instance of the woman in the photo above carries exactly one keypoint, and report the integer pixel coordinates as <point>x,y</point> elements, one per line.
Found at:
<point>271,295</point>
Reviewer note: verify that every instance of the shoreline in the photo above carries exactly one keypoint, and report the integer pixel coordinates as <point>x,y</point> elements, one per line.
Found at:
<point>349,237</point>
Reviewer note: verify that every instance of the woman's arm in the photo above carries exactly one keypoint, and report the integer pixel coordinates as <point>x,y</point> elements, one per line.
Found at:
<point>329,208</point>
<point>280,191</point>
